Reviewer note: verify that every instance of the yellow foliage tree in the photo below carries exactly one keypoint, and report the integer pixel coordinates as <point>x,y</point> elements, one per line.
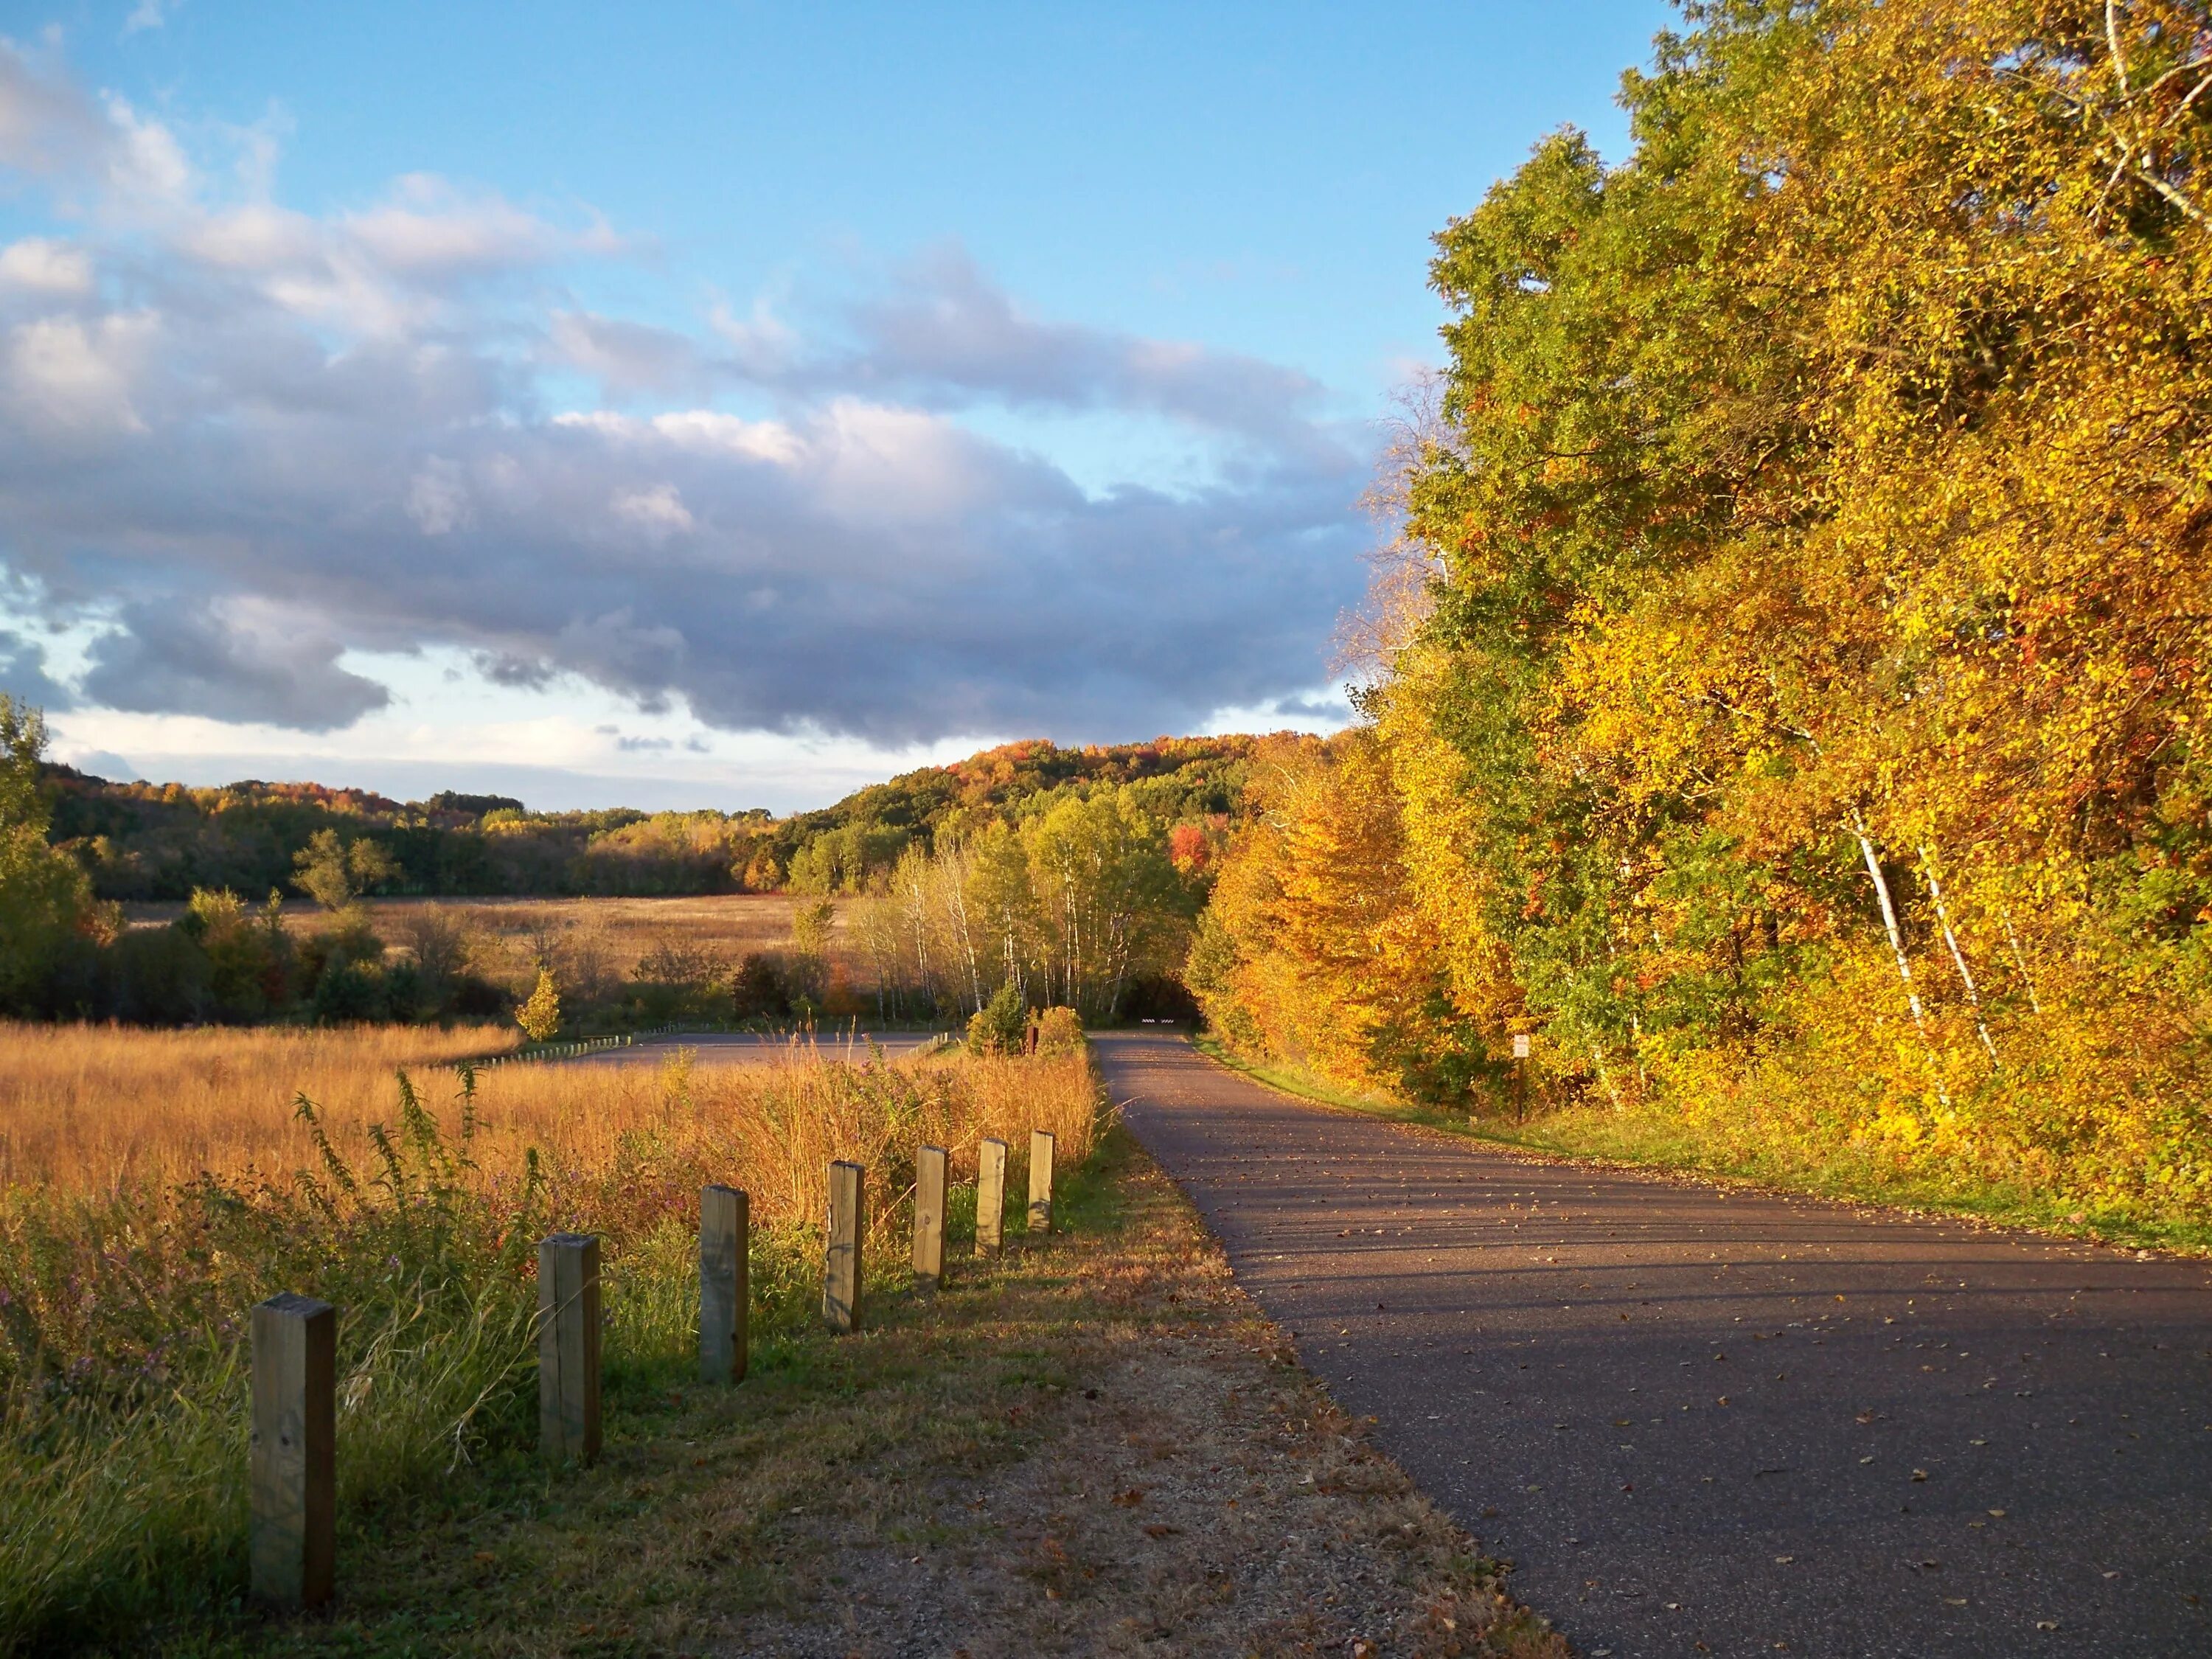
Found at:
<point>540,1015</point>
<point>1798,717</point>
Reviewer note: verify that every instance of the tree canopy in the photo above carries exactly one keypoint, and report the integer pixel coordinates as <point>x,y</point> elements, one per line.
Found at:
<point>1794,715</point>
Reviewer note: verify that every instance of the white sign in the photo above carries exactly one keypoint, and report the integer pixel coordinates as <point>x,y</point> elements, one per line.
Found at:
<point>1521,1046</point>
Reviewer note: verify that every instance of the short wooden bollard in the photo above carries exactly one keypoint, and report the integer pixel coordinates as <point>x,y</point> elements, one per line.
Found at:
<point>725,1245</point>
<point>569,1347</point>
<point>840,1263</point>
<point>292,1468</point>
<point>1040,1144</point>
<point>990,1197</point>
<point>929,1216</point>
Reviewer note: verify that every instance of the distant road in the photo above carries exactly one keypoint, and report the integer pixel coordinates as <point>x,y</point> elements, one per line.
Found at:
<point>742,1049</point>
<point>1710,1421</point>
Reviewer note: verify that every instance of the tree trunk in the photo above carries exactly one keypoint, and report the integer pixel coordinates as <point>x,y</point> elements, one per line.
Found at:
<point>1958,956</point>
<point>1896,949</point>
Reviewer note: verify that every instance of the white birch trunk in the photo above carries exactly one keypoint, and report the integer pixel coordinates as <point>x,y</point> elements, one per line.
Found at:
<point>2020,962</point>
<point>1958,956</point>
<point>1896,949</point>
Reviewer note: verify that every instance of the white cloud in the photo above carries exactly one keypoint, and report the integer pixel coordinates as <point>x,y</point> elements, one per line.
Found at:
<point>429,228</point>
<point>42,264</point>
<point>78,378</point>
<point>658,510</point>
<point>149,15</point>
<point>144,164</point>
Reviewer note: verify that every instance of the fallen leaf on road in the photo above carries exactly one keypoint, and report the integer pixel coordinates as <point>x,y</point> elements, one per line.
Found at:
<point>1920,1474</point>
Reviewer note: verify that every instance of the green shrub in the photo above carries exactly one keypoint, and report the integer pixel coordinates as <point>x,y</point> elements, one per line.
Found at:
<point>1000,1026</point>
<point>1059,1031</point>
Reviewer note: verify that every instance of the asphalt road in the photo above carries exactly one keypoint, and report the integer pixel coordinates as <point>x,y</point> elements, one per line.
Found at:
<point>1704,1420</point>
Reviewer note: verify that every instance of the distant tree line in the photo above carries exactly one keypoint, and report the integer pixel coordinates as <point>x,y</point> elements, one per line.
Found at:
<point>141,841</point>
<point>1112,845</point>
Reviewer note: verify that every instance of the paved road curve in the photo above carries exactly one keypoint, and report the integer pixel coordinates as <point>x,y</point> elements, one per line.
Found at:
<point>1713,1422</point>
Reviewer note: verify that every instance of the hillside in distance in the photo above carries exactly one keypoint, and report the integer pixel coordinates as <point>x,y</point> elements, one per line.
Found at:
<point>142,841</point>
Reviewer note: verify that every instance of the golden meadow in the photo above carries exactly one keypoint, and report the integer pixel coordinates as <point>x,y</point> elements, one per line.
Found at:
<point>157,1184</point>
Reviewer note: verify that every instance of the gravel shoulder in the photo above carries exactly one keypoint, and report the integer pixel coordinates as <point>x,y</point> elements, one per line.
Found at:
<point>1099,1446</point>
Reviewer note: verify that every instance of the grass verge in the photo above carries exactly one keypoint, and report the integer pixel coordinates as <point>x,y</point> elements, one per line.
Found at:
<point>1095,1444</point>
<point>1650,1141</point>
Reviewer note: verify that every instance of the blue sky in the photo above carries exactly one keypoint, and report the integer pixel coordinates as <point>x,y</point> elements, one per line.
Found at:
<point>716,404</point>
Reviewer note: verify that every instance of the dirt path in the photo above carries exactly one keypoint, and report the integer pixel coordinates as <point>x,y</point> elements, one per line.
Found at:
<point>1190,1492</point>
<point>1097,1445</point>
<point>1704,1420</point>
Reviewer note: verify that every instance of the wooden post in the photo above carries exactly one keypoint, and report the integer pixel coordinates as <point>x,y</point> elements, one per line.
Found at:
<point>569,1347</point>
<point>292,1467</point>
<point>990,1197</point>
<point>1040,1144</point>
<point>725,1245</point>
<point>841,1266</point>
<point>929,1216</point>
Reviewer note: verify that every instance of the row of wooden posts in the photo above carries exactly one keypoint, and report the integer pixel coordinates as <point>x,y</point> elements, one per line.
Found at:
<point>294,1470</point>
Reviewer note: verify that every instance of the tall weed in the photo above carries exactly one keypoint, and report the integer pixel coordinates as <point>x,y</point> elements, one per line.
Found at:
<point>124,1363</point>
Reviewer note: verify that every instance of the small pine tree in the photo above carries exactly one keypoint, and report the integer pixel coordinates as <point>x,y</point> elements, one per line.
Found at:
<point>540,1017</point>
<point>998,1027</point>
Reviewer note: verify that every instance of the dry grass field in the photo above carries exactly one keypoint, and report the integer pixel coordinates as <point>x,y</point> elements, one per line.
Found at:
<point>603,936</point>
<point>126,1271</point>
<point>596,940</point>
<point>102,1110</point>
<point>99,1109</point>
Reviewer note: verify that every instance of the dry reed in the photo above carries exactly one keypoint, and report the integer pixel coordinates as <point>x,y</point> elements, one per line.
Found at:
<point>122,1359</point>
<point>96,1110</point>
<point>100,1110</point>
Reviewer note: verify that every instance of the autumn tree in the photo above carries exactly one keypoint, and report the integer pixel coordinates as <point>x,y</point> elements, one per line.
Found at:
<point>539,1016</point>
<point>1797,721</point>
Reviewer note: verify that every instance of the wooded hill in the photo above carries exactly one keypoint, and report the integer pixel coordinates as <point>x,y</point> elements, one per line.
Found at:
<point>154,841</point>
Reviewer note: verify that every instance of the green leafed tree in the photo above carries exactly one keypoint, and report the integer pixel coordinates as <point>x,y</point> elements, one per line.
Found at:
<point>45,899</point>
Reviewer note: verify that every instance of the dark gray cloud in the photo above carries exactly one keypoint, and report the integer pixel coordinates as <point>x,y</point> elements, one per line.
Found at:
<point>245,666</point>
<point>258,440</point>
<point>23,674</point>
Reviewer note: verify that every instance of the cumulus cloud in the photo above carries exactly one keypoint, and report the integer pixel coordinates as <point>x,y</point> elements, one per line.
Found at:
<point>49,129</point>
<point>78,375</point>
<point>23,673</point>
<point>241,661</point>
<point>300,436</point>
<point>42,264</point>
